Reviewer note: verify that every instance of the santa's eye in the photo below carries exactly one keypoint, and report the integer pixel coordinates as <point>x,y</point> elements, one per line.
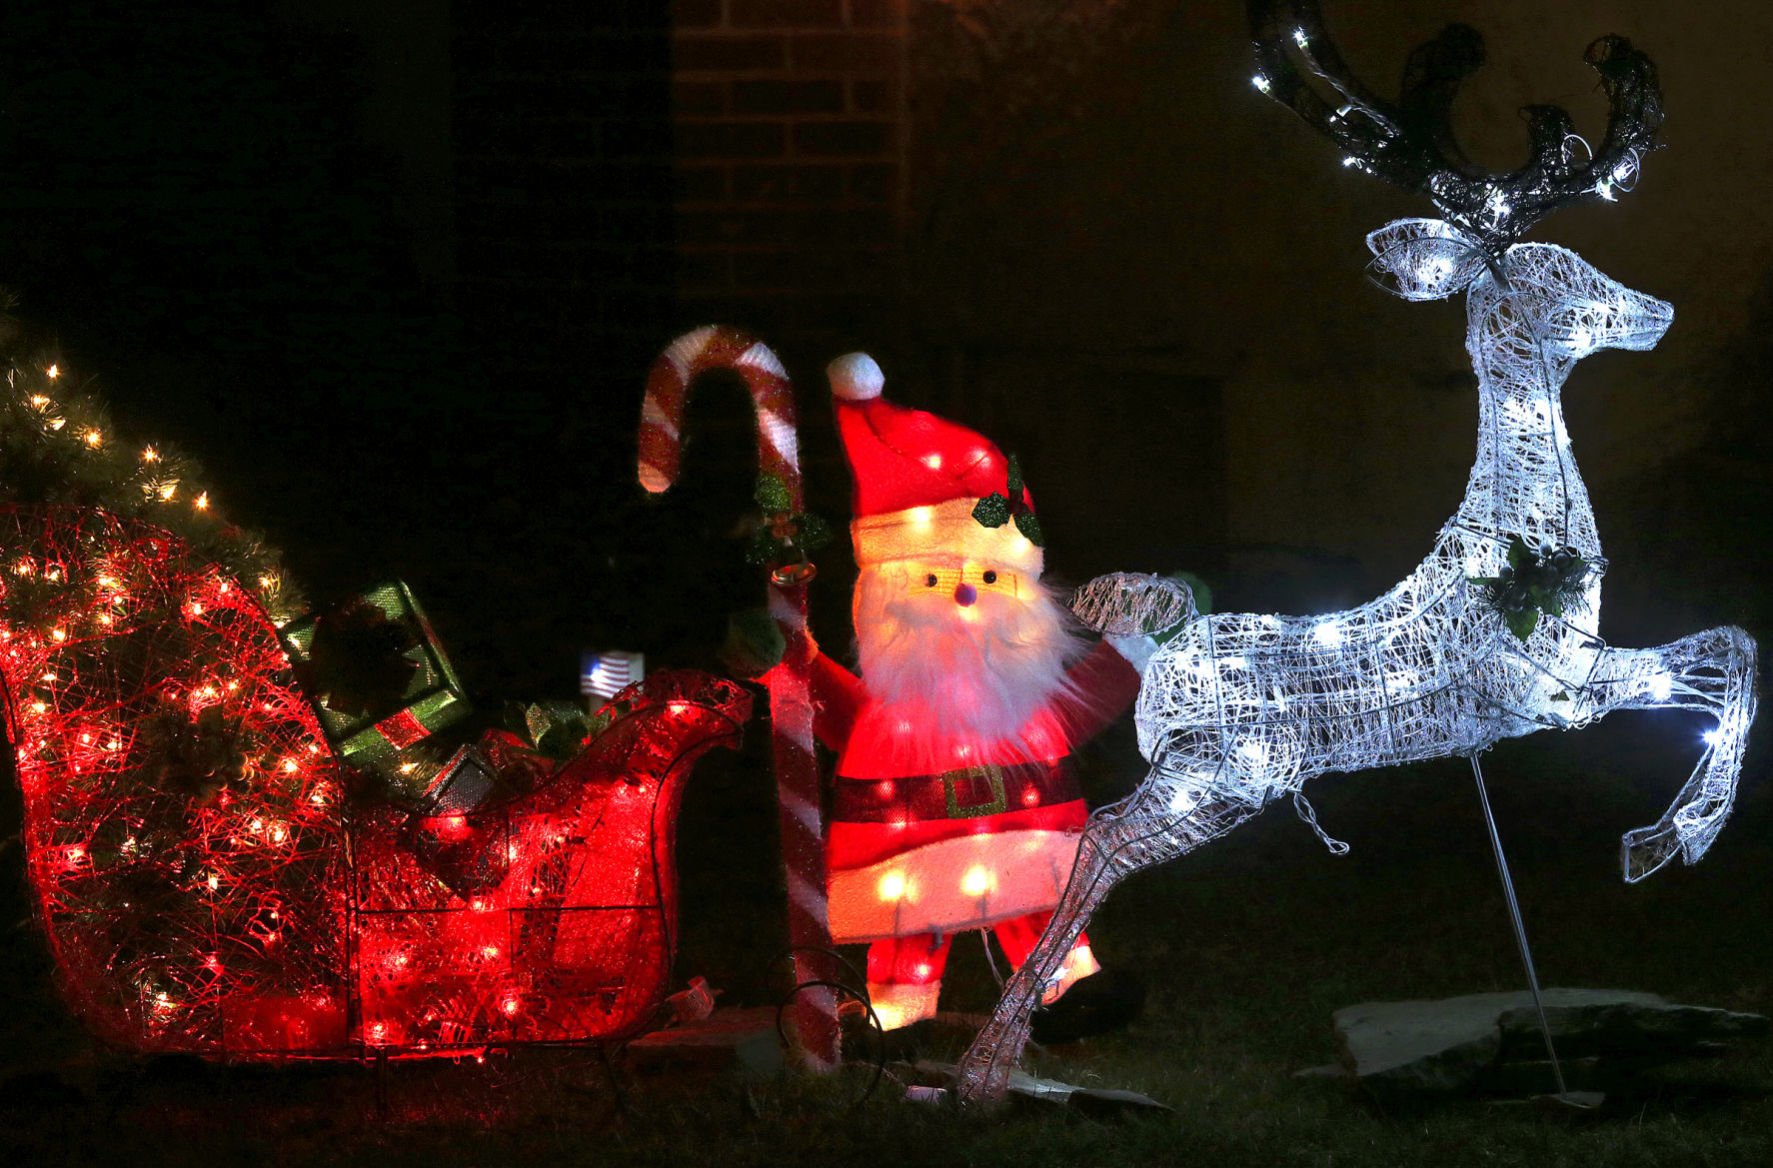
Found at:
<point>989,577</point>
<point>930,580</point>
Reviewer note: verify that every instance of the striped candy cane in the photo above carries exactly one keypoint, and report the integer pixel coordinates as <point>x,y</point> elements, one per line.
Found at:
<point>791,708</point>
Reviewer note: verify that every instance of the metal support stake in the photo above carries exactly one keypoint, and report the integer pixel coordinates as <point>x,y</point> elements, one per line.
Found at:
<point>1520,929</point>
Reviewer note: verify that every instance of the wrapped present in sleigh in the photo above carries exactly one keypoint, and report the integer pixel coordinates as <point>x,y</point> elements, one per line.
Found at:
<point>209,881</point>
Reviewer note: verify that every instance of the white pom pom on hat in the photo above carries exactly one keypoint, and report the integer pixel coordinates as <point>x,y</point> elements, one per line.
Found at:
<point>855,377</point>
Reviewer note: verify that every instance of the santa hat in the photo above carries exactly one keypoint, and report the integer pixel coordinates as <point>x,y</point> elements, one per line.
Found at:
<point>927,488</point>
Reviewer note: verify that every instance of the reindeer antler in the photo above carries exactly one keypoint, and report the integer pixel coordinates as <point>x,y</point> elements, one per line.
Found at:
<point>1410,143</point>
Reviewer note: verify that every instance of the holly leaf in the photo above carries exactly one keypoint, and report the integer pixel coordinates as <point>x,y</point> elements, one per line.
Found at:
<point>1523,622</point>
<point>772,493</point>
<point>1015,477</point>
<point>1029,526</point>
<point>1519,554</point>
<point>992,511</point>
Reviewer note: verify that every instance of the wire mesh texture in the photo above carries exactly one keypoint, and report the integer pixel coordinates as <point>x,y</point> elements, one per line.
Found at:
<point>207,881</point>
<point>1495,634</point>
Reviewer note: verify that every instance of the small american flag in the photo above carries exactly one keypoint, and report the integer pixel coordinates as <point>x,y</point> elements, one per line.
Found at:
<point>610,672</point>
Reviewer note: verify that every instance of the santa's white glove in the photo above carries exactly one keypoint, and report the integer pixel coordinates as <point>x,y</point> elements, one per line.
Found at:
<point>1137,648</point>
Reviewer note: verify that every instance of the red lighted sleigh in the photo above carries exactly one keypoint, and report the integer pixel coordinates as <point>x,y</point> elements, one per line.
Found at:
<point>206,885</point>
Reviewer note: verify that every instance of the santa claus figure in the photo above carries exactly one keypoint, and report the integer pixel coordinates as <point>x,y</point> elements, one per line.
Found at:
<point>955,808</point>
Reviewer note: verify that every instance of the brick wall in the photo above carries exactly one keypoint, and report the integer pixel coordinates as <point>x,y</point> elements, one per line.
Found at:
<point>562,146</point>
<point>563,141</point>
<point>790,137</point>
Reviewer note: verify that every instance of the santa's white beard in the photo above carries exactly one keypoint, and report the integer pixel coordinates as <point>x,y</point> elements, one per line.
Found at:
<point>977,672</point>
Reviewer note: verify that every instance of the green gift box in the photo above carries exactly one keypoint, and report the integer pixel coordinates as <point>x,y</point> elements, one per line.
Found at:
<point>376,673</point>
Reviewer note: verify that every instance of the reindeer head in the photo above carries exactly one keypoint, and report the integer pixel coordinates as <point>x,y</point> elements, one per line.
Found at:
<point>1561,304</point>
<point>1411,143</point>
<point>1576,308</point>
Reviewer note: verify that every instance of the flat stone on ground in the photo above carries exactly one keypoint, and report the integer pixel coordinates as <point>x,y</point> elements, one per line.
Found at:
<point>1488,1042</point>
<point>719,1042</point>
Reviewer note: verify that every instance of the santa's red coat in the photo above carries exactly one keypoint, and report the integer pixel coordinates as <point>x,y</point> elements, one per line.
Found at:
<point>930,834</point>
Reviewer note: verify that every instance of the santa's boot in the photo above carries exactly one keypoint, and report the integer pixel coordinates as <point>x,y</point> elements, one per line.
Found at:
<point>905,977</point>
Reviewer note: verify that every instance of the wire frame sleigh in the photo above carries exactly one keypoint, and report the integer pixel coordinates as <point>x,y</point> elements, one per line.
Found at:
<point>271,916</point>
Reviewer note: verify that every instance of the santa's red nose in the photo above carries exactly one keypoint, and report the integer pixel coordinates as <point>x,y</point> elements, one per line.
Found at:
<point>965,594</point>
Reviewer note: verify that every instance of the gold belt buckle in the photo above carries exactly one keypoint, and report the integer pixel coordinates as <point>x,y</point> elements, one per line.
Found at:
<point>992,775</point>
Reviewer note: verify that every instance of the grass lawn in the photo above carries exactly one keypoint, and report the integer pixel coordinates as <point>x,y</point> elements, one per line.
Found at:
<point>1247,948</point>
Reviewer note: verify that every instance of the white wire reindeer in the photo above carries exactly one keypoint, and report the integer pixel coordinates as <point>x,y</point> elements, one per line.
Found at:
<point>1239,708</point>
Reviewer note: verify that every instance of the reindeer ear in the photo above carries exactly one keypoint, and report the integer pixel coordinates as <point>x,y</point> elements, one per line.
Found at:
<point>1423,259</point>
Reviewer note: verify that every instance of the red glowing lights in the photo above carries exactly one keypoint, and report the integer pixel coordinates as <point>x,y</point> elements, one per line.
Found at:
<point>204,884</point>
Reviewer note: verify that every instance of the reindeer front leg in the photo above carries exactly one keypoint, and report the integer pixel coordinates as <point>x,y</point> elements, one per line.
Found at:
<point>1158,822</point>
<point>1713,671</point>
<point>983,1073</point>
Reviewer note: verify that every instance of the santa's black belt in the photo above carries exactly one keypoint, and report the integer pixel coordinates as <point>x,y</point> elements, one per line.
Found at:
<point>958,794</point>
